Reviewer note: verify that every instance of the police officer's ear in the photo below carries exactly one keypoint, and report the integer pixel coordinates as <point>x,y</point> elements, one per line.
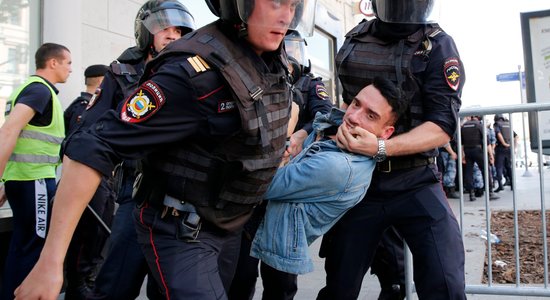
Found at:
<point>307,69</point>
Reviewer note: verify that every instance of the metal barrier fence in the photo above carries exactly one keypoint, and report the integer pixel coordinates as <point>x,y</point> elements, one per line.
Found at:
<point>490,288</point>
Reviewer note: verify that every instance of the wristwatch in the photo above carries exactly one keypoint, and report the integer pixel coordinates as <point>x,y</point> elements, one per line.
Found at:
<point>380,156</point>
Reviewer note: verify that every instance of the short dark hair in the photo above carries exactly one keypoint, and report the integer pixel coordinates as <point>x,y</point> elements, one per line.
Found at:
<point>395,96</point>
<point>48,51</point>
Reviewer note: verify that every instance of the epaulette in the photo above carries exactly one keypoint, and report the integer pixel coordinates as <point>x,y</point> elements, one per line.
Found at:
<point>195,65</point>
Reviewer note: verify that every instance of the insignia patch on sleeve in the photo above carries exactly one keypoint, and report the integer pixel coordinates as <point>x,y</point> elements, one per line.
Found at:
<point>321,91</point>
<point>452,72</point>
<point>93,100</point>
<point>143,103</point>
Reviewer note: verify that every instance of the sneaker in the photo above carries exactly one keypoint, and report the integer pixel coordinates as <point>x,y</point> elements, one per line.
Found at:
<point>472,196</point>
<point>500,188</point>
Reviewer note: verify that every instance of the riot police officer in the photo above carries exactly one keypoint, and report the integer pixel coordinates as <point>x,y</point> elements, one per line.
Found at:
<point>310,95</point>
<point>157,23</point>
<point>503,159</point>
<point>406,45</point>
<point>472,145</point>
<point>209,120</point>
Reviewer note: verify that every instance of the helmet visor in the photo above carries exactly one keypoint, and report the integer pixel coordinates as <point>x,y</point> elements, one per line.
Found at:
<point>296,47</point>
<point>303,11</point>
<point>408,11</point>
<point>162,19</point>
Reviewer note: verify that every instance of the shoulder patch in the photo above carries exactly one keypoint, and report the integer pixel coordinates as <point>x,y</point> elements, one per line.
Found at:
<point>143,103</point>
<point>451,72</point>
<point>321,91</point>
<point>93,100</point>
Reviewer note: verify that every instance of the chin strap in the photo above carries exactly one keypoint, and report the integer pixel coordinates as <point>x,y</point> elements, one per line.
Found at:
<point>243,30</point>
<point>153,52</point>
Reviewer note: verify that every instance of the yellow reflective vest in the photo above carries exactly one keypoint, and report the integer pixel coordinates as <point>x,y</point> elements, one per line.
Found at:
<point>36,153</point>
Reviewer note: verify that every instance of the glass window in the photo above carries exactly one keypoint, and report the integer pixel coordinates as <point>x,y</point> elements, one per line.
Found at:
<point>321,49</point>
<point>12,63</point>
<point>19,38</point>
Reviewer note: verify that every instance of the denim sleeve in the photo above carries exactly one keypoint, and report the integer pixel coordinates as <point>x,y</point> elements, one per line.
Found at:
<point>315,177</point>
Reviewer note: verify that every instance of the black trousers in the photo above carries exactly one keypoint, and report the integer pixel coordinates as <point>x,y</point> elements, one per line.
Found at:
<point>277,285</point>
<point>414,203</point>
<point>184,269</point>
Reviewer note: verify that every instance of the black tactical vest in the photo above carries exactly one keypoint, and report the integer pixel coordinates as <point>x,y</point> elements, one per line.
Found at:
<point>505,130</point>
<point>472,133</point>
<point>364,57</point>
<point>225,183</point>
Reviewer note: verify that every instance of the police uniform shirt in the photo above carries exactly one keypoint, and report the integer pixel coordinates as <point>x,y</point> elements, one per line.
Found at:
<point>440,100</point>
<point>38,97</point>
<point>318,100</point>
<point>165,110</point>
<point>73,113</point>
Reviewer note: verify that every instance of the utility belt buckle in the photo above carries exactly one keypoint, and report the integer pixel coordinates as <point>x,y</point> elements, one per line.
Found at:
<point>382,165</point>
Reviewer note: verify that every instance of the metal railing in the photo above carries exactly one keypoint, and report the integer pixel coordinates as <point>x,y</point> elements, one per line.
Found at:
<point>490,288</point>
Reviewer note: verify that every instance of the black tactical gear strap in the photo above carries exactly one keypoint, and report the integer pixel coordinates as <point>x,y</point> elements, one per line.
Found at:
<point>398,62</point>
<point>254,90</point>
<point>126,76</point>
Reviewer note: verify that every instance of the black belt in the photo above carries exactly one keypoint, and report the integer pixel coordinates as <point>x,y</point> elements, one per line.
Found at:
<point>402,163</point>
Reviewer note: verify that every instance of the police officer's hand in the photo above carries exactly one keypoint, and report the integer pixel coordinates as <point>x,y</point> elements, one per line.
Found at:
<point>357,140</point>
<point>43,282</point>
<point>296,142</point>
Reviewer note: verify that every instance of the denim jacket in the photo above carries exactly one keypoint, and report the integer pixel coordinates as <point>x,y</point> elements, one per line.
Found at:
<point>307,197</point>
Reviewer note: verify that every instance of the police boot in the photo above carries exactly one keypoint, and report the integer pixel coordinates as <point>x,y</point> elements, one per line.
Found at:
<point>479,192</point>
<point>452,193</point>
<point>500,187</point>
<point>393,292</point>
<point>472,195</point>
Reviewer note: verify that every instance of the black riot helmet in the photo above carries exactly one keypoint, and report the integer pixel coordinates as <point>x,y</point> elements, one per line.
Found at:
<point>295,47</point>
<point>157,15</point>
<point>238,11</point>
<point>407,11</point>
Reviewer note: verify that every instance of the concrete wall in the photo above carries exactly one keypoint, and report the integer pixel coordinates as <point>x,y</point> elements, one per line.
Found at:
<point>96,32</point>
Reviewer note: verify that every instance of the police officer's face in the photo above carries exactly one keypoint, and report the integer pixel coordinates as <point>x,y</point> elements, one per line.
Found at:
<point>268,23</point>
<point>165,37</point>
<point>370,110</point>
<point>63,67</point>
